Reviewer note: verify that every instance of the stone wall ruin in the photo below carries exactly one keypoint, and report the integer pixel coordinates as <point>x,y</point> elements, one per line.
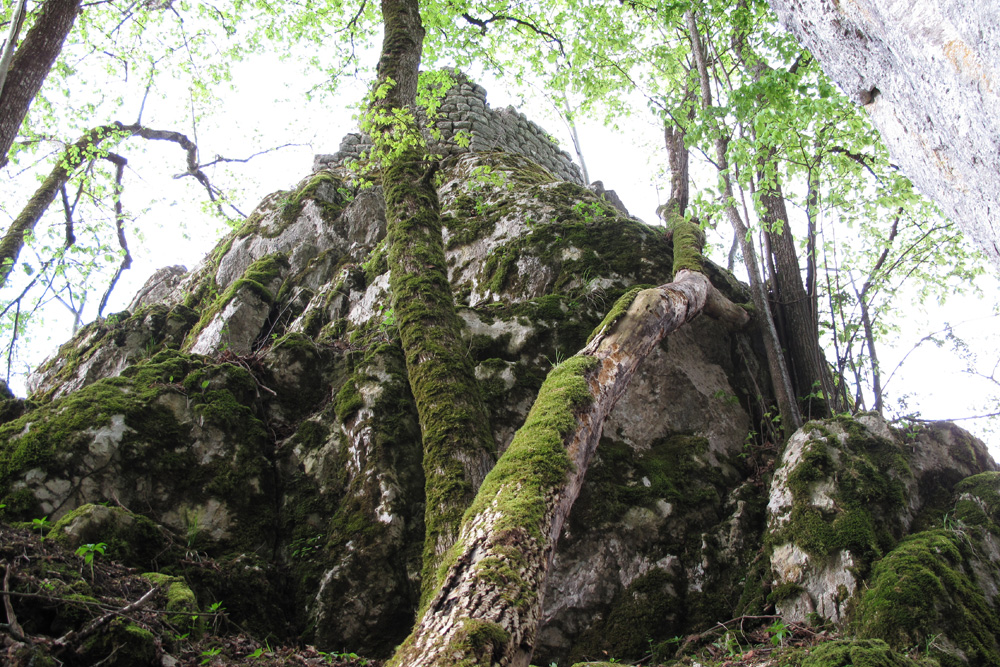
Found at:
<point>464,112</point>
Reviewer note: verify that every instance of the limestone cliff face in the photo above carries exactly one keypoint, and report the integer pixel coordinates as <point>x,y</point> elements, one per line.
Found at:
<point>928,73</point>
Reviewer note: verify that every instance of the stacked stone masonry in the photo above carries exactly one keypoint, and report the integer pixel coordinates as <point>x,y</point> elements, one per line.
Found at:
<point>465,113</point>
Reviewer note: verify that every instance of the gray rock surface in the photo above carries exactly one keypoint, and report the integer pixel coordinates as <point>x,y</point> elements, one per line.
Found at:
<point>927,73</point>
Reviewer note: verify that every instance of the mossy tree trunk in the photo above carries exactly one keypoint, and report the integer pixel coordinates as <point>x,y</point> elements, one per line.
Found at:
<point>489,604</point>
<point>458,447</point>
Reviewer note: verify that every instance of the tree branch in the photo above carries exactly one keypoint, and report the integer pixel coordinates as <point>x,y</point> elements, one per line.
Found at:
<point>483,25</point>
<point>16,21</point>
<point>8,607</point>
<point>73,637</point>
<point>126,262</point>
<point>83,151</point>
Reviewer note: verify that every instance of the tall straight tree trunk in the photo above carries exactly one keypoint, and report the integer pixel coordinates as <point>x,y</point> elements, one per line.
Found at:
<point>780,379</point>
<point>31,64</point>
<point>808,366</point>
<point>458,447</point>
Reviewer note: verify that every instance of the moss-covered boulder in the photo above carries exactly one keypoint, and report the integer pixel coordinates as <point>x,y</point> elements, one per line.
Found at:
<point>130,538</point>
<point>846,492</point>
<point>927,593</point>
<point>175,435</point>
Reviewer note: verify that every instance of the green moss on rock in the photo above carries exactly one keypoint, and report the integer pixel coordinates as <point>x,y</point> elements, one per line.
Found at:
<point>122,643</point>
<point>869,496</point>
<point>923,593</point>
<point>181,600</point>
<point>645,614</point>
<point>853,653</point>
<point>979,501</point>
<point>131,539</point>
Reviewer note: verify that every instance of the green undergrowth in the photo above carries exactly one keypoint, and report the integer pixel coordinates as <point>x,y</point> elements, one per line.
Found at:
<point>852,653</point>
<point>135,540</point>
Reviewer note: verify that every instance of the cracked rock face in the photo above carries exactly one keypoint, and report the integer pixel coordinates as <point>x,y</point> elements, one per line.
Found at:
<point>928,74</point>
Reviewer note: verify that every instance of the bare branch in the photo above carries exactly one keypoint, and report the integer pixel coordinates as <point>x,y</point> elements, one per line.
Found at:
<point>483,25</point>
<point>120,163</point>
<point>85,150</point>
<point>218,158</point>
<point>73,637</point>
<point>8,607</point>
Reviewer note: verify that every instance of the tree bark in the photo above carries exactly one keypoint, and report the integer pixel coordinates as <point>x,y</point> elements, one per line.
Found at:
<point>31,64</point>
<point>677,159</point>
<point>458,445</point>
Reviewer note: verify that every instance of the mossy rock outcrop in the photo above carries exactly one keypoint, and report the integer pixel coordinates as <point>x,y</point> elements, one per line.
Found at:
<point>255,417</point>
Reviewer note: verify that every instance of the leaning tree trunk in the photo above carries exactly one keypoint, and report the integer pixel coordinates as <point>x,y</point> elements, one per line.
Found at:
<point>457,442</point>
<point>31,64</point>
<point>488,607</point>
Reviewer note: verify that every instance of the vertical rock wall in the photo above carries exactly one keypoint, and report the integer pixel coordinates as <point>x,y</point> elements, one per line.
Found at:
<point>927,73</point>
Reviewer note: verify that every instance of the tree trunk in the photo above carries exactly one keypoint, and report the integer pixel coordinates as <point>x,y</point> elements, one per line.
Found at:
<point>489,605</point>
<point>458,447</point>
<point>31,64</point>
<point>808,365</point>
<point>677,159</point>
<point>780,380</point>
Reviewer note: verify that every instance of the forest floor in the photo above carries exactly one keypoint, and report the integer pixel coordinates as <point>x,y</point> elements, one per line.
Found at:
<point>58,606</point>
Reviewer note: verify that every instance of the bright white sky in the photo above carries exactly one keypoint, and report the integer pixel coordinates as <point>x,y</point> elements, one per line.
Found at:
<point>177,232</point>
